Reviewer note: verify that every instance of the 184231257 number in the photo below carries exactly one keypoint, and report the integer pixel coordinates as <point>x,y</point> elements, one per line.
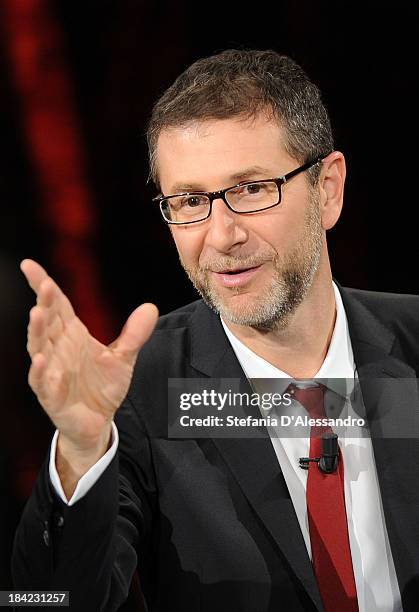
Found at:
<point>34,598</point>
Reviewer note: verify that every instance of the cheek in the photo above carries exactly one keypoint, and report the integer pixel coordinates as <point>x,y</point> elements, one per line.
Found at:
<point>189,245</point>
<point>286,225</point>
<point>277,232</point>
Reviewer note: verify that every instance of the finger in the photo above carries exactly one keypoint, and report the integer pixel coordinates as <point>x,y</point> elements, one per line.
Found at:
<point>33,272</point>
<point>47,295</point>
<point>42,337</point>
<point>50,300</point>
<point>55,329</point>
<point>36,373</point>
<point>36,330</point>
<point>65,309</point>
<point>52,297</point>
<point>46,288</point>
<point>44,381</point>
<point>137,329</point>
<point>38,338</point>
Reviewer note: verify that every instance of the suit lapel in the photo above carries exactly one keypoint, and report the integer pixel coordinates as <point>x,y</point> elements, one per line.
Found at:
<point>252,460</point>
<point>390,394</point>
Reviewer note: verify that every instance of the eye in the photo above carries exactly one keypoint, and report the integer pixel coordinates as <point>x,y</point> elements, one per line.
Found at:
<point>193,201</point>
<point>253,188</point>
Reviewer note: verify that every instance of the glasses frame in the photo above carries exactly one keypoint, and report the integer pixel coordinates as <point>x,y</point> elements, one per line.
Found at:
<point>215,195</point>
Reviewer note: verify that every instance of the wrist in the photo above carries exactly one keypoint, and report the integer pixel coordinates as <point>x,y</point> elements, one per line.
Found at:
<point>74,460</point>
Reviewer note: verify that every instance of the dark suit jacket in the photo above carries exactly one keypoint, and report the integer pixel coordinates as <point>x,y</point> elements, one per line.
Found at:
<point>209,522</point>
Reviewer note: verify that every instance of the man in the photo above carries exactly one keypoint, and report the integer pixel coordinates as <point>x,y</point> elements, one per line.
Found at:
<point>241,151</point>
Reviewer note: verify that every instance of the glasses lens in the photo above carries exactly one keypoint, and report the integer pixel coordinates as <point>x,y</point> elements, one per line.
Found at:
<point>185,208</point>
<point>253,196</point>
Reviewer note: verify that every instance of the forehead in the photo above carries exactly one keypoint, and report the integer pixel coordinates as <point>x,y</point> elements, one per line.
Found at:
<point>205,154</point>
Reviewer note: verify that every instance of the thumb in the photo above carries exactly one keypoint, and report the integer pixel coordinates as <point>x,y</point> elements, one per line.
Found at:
<point>137,329</point>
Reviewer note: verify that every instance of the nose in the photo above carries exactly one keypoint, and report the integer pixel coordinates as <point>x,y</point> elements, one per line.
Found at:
<point>226,229</point>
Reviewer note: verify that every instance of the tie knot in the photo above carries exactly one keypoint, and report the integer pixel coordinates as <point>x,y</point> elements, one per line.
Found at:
<point>312,398</point>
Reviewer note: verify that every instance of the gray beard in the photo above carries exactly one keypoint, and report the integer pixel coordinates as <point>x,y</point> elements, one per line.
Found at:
<point>292,278</point>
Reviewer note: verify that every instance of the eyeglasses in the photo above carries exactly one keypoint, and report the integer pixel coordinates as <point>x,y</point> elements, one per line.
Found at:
<point>245,198</point>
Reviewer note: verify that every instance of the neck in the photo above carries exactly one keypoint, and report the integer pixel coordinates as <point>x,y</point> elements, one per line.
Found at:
<point>300,348</point>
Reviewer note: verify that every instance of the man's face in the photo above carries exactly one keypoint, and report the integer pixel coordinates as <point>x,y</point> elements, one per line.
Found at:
<point>254,269</point>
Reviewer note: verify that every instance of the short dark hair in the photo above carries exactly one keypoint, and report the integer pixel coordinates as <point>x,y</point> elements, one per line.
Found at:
<point>244,83</point>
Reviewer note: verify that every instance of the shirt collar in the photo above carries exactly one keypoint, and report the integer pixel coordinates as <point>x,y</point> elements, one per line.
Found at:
<point>338,364</point>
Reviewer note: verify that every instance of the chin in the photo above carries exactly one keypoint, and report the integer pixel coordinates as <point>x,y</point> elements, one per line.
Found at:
<point>240,309</point>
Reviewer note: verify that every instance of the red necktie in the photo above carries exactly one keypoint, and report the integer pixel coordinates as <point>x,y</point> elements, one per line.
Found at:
<point>330,549</point>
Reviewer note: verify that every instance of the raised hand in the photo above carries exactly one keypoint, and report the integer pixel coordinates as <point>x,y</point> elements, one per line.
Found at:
<point>79,382</point>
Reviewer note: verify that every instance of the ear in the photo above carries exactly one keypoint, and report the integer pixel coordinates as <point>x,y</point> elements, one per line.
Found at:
<point>331,186</point>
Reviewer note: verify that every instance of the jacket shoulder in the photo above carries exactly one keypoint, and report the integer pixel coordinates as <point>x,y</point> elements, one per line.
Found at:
<point>383,300</point>
<point>397,311</point>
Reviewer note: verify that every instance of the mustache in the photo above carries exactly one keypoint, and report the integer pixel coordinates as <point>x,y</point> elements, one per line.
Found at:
<point>226,263</point>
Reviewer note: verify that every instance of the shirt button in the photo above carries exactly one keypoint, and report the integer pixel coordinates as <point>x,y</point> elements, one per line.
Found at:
<point>58,520</point>
<point>45,535</point>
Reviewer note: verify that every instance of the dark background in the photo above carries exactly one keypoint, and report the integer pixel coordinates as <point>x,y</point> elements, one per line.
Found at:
<point>99,235</point>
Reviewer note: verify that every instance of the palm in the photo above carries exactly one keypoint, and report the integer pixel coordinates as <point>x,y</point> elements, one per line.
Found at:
<point>86,382</point>
<point>79,381</point>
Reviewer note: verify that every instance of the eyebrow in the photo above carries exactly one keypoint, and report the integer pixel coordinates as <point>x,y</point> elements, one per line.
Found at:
<point>235,178</point>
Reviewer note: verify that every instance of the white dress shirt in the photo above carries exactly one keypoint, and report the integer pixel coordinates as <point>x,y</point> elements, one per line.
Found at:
<point>373,564</point>
<point>372,560</point>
